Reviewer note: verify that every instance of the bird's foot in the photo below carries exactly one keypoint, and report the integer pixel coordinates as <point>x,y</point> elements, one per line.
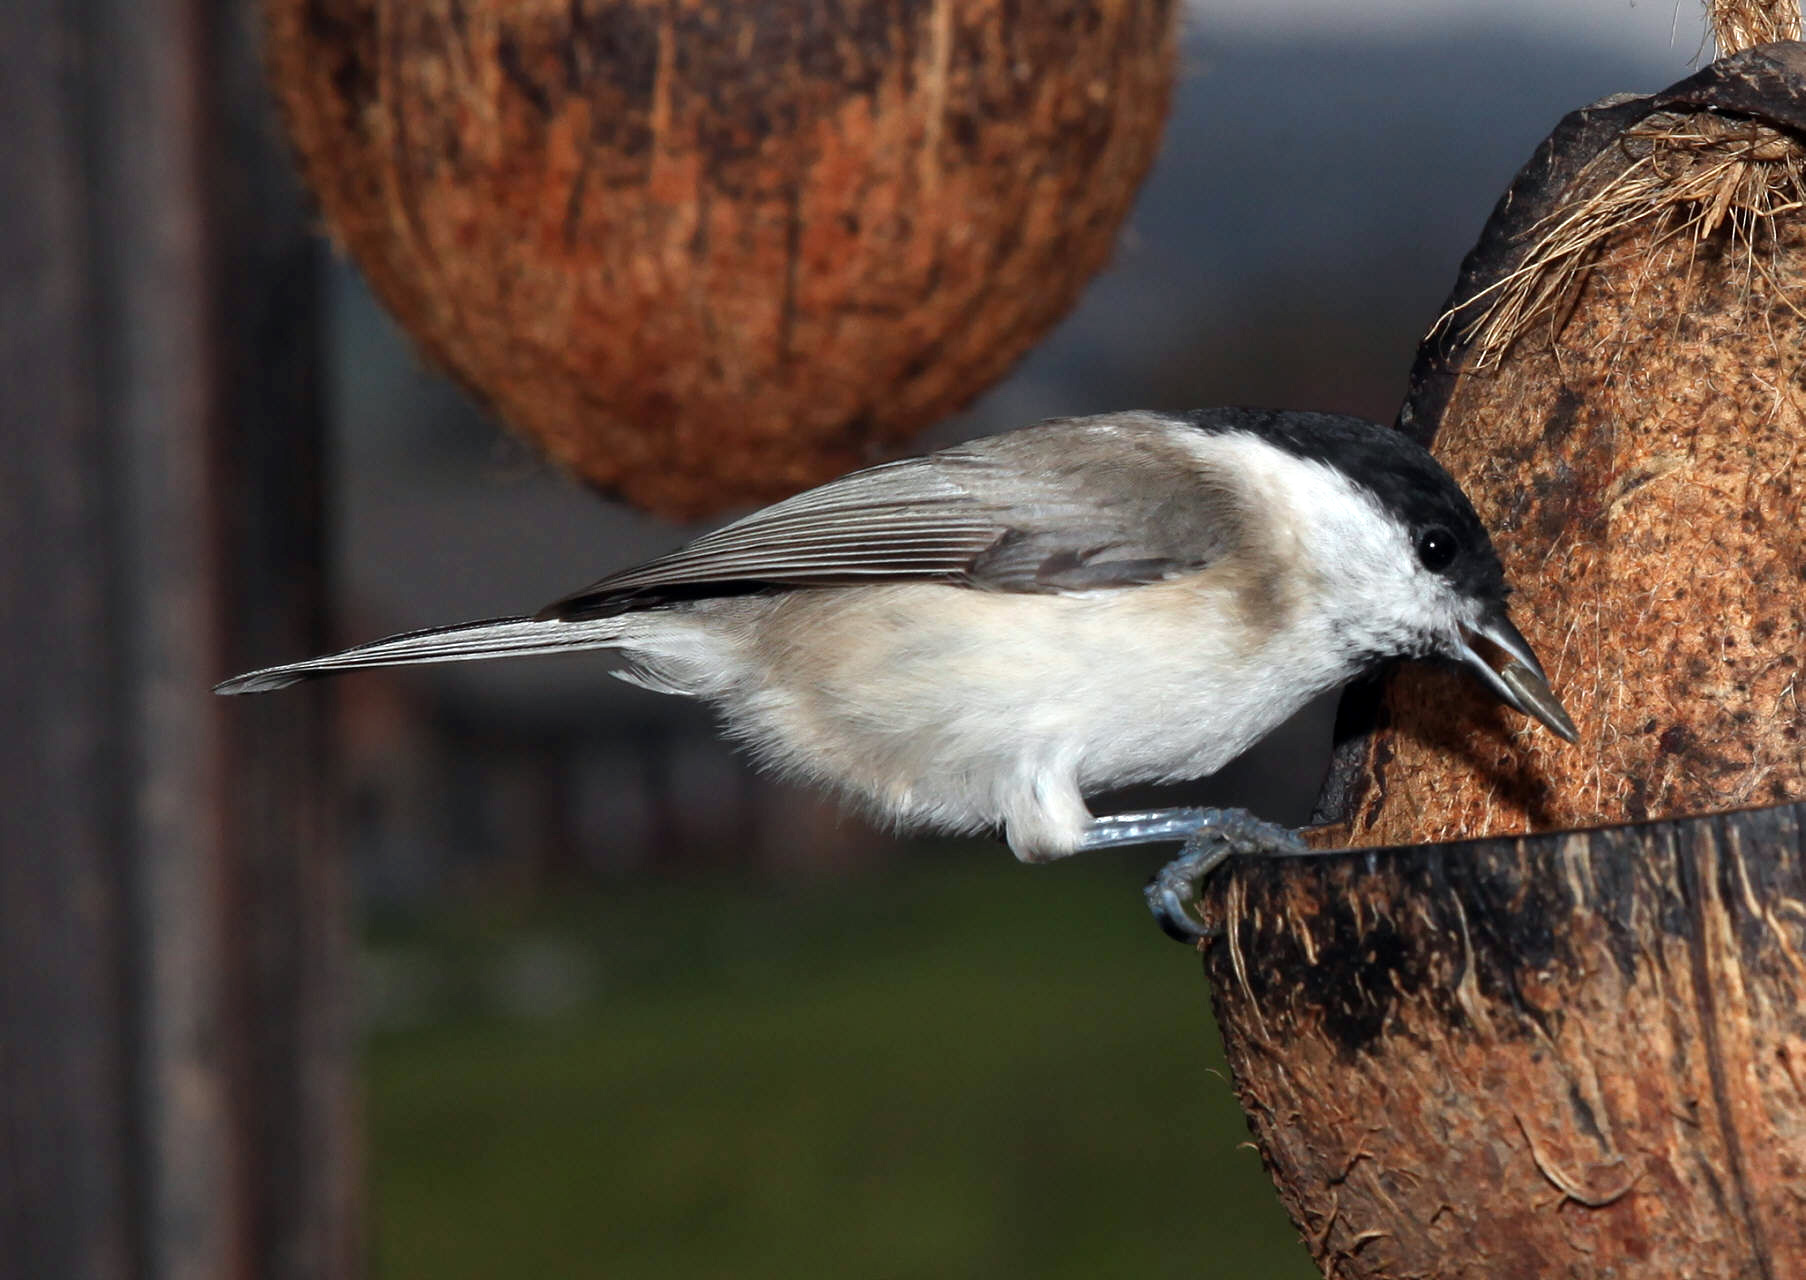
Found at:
<point>1219,835</point>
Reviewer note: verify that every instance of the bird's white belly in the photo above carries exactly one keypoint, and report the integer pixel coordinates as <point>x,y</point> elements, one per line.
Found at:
<point>963,709</point>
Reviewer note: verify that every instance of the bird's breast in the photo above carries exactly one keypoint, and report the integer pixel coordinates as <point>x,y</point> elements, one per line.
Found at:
<point>1160,681</point>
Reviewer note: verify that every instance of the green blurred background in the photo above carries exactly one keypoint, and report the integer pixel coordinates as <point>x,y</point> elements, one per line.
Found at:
<point>951,1067</point>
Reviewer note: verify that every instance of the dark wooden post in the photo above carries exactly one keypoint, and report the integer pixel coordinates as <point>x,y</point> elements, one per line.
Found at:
<point>174,1068</point>
<point>67,1202</point>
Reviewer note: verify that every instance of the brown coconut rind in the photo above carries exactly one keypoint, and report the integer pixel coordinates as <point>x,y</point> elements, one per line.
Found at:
<point>1634,439</point>
<point>708,253</point>
<point>1581,1053</point>
<point>1561,1056</point>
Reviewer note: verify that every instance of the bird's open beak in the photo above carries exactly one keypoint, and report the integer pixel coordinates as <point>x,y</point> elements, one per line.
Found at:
<point>1520,681</point>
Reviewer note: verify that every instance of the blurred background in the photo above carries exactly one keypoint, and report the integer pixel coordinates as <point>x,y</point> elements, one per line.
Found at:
<point>625,1007</point>
<point>632,1007</point>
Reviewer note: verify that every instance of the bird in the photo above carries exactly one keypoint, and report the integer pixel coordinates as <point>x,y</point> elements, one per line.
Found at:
<point>978,638</point>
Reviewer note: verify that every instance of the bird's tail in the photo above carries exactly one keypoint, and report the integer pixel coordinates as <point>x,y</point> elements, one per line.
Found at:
<point>493,638</point>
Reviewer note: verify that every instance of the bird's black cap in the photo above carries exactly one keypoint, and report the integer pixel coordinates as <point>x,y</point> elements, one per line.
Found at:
<point>1401,475</point>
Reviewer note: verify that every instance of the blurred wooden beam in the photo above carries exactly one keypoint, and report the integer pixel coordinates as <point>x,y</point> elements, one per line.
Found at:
<point>67,1204</point>
<point>291,909</point>
<point>175,1076</point>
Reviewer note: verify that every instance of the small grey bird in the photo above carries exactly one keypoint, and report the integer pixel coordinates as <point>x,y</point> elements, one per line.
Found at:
<point>977,638</point>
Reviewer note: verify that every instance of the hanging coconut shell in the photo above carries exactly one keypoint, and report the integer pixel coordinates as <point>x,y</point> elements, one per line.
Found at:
<point>1617,383</point>
<point>707,253</point>
<point>1577,1053</point>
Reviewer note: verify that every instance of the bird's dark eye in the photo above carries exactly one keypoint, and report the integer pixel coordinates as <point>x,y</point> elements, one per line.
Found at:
<point>1436,548</point>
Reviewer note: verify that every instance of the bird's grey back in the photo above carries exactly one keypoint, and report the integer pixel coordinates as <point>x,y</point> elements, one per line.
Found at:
<point>1067,505</point>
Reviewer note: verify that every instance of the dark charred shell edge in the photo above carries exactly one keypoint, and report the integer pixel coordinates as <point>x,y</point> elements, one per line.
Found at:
<point>1494,909</point>
<point>1766,83</point>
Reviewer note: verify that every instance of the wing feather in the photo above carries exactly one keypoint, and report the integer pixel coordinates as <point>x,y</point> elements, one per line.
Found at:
<point>1070,505</point>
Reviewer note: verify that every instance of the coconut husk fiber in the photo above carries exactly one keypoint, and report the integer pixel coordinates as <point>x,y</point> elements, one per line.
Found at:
<point>1617,384</point>
<point>707,253</point>
<point>1742,24</point>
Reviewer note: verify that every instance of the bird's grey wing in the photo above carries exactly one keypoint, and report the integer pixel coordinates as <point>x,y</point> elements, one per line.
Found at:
<point>1070,505</point>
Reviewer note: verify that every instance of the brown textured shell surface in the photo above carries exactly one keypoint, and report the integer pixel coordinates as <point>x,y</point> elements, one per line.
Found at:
<point>706,252</point>
<point>1637,451</point>
<point>1560,1057</point>
<point>1578,1053</point>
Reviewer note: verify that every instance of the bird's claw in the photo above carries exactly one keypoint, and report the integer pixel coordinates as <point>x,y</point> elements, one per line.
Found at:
<point>1222,834</point>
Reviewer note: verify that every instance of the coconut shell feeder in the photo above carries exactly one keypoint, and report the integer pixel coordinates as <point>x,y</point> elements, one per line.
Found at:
<point>706,253</point>
<point>1574,1043</point>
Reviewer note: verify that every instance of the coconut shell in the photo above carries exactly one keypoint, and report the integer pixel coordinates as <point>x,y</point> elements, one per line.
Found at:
<point>1557,1057</point>
<point>1633,437</point>
<point>1578,1053</point>
<point>707,253</point>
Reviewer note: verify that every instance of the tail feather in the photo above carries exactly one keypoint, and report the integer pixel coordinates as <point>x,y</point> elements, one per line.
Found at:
<point>468,641</point>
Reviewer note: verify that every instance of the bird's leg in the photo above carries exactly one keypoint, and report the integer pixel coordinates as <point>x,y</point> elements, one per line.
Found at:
<point>1222,833</point>
<point>1210,836</point>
